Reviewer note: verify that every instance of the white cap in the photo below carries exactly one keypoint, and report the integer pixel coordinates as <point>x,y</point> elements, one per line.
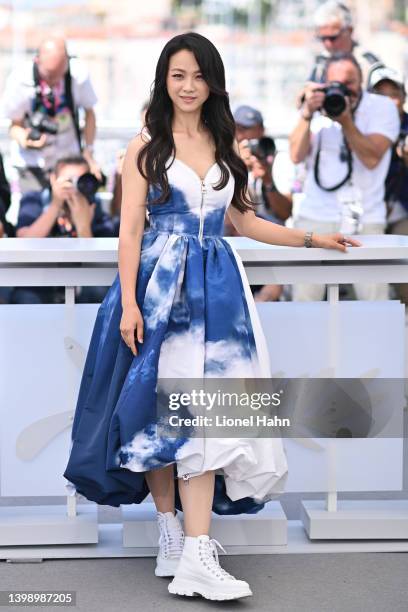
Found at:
<point>383,73</point>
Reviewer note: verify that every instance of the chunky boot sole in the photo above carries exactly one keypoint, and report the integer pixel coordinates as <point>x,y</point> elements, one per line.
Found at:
<point>190,589</point>
<point>166,568</point>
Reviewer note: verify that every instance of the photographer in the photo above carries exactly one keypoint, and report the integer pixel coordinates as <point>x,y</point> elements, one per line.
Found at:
<point>70,209</point>
<point>334,29</point>
<point>42,101</point>
<point>387,82</point>
<point>345,135</point>
<point>258,152</point>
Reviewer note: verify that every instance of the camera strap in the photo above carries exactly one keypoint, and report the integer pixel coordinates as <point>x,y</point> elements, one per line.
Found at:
<point>345,155</point>
<point>71,105</point>
<point>348,158</point>
<point>38,102</point>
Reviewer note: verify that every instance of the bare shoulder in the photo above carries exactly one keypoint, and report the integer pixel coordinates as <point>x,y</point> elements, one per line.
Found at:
<point>132,152</point>
<point>137,142</point>
<point>130,169</point>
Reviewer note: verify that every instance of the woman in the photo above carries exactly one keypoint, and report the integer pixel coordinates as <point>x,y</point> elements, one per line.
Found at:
<point>180,308</point>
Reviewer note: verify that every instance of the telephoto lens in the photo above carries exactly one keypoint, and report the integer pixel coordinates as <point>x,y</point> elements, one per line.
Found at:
<point>87,184</point>
<point>335,100</point>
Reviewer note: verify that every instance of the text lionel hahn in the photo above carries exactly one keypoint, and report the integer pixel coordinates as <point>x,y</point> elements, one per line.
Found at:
<point>223,421</point>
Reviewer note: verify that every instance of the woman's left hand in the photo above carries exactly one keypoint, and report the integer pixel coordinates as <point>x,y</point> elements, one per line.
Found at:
<point>334,241</point>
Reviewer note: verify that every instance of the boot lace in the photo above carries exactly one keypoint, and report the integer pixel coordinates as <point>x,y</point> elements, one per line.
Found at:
<point>171,541</point>
<point>209,557</point>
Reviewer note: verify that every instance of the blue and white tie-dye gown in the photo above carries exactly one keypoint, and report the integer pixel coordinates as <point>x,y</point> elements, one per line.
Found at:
<point>200,321</point>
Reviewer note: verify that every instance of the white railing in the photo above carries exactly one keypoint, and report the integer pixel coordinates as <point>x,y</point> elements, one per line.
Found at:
<point>303,339</point>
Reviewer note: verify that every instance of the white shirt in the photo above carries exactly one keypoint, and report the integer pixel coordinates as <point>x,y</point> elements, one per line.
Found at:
<point>374,115</point>
<point>17,100</point>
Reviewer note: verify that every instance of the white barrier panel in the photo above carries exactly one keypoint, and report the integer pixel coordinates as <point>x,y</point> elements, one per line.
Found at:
<point>43,348</point>
<point>369,344</point>
<point>41,377</point>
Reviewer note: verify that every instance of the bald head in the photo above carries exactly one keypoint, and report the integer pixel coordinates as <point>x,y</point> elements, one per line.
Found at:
<point>52,59</point>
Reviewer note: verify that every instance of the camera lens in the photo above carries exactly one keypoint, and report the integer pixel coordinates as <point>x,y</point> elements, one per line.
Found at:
<point>88,185</point>
<point>262,147</point>
<point>335,100</point>
<point>334,104</point>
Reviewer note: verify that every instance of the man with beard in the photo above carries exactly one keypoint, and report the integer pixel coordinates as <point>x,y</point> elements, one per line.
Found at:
<point>347,154</point>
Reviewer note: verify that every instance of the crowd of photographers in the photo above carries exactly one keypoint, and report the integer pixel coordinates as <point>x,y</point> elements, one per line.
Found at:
<point>351,143</point>
<point>349,146</point>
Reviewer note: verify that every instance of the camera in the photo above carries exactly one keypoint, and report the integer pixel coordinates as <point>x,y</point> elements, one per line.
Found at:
<point>87,184</point>
<point>41,124</point>
<point>262,148</point>
<point>335,99</point>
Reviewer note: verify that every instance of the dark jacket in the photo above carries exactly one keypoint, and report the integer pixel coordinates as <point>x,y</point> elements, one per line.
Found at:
<point>34,203</point>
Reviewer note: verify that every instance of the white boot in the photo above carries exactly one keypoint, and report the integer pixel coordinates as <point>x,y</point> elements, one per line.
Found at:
<point>199,572</point>
<point>171,543</point>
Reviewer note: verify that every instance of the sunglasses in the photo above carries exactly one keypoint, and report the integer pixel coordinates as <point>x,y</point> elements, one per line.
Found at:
<point>332,38</point>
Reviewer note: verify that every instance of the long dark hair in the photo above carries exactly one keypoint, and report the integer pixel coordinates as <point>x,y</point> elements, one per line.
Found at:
<point>215,114</point>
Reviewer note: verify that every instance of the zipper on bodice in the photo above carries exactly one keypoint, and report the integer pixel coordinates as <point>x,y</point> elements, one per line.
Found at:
<point>200,231</point>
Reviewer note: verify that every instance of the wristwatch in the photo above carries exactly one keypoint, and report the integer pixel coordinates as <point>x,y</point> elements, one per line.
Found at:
<point>308,239</point>
<point>90,148</point>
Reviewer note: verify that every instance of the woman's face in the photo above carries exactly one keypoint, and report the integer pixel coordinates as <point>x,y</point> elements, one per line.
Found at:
<point>185,84</point>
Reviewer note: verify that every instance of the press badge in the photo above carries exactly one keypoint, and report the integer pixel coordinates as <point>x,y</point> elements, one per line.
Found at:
<point>64,121</point>
<point>350,198</point>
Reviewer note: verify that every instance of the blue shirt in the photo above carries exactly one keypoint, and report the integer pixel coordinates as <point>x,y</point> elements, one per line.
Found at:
<point>396,185</point>
<point>34,203</point>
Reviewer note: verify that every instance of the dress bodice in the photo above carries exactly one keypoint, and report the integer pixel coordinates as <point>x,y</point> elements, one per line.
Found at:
<point>194,206</point>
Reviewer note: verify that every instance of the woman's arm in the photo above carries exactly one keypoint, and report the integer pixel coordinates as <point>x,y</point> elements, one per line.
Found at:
<point>132,218</point>
<point>132,215</point>
<point>251,226</point>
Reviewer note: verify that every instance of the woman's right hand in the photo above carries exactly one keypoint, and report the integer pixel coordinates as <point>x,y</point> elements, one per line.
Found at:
<point>131,326</point>
<point>334,241</point>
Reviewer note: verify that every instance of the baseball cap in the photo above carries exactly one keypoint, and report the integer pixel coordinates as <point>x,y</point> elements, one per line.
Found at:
<point>248,116</point>
<point>383,73</point>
